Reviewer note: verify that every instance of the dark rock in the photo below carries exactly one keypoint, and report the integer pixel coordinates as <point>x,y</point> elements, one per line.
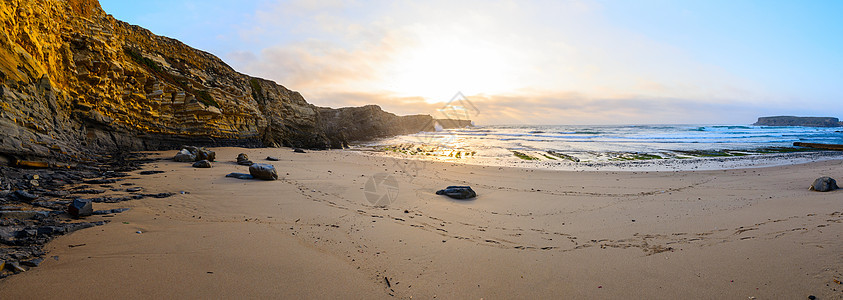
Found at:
<point>23,214</point>
<point>100,181</point>
<point>263,171</point>
<point>25,196</point>
<point>240,176</point>
<point>458,192</point>
<point>184,156</point>
<point>159,195</point>
<point>15,267</point>
<point>150,172</point>
<point>202,164</point>
<point>297,150</point>
<point>272,158</point>
<point>32,262</point>
<point>243,159</point>
<point>111,211</point>
<point>80,208</point>
<point>824,184</point>
<point>88,192</point>
<point>134,189</point>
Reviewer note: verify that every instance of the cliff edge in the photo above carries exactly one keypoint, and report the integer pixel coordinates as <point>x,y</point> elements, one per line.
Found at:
<point>799,121</point>
<point>75,81</point>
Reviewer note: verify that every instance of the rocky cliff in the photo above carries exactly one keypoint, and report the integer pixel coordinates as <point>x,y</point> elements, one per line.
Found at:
<point>76,81</point>
<point>799,121</point>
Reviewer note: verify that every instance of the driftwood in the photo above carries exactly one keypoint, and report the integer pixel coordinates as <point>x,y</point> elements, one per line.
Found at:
<point>820,146</point>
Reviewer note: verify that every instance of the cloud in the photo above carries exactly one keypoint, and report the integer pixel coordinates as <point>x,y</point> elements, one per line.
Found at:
<point>555,62</point>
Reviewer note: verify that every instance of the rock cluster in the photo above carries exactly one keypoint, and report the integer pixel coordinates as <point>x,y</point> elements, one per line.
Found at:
<point>36,206</point>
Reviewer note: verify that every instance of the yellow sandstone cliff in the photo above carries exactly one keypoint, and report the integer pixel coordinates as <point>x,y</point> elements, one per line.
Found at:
<point>73,79</point>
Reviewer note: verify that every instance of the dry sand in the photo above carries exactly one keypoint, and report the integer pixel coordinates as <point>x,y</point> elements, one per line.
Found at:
<point>727,234</point>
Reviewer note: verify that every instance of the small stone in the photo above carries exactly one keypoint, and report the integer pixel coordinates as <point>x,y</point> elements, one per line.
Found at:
<point>80,208</point>
<point>32,262</point>
<point>138,232</point>
<point>150,172</point>
<point>263,171</point>
<point>16,267</point>
<point>824,184</point>
<point>25,196</point>
<point>134,189</point>
<point>240,176</point>
<point>272,158</point>
<point>202,164</point>
<point>297,150</point>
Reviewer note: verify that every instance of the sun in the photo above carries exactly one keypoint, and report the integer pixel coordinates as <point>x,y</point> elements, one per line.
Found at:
<point>439,67</point>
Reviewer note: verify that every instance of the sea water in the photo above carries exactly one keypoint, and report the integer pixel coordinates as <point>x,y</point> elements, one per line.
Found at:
<point>608,142</point>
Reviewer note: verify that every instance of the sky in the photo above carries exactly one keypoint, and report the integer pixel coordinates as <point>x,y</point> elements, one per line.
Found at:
<point>529,62</point>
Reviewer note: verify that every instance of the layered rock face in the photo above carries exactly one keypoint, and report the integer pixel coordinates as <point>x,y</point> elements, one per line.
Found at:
<point>76,81</point>
<point>799,121</point>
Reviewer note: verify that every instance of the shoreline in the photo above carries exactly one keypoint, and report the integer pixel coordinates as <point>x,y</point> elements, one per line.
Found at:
<point>530,232</point>
<point>651,165</point>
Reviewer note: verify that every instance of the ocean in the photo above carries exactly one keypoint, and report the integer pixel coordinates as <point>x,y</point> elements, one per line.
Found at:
<point>608,142</point>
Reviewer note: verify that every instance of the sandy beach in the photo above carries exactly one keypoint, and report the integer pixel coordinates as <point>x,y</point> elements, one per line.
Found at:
<point>530,233</point>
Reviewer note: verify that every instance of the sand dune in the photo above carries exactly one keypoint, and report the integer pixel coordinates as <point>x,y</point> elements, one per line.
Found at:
<point>720,234</point>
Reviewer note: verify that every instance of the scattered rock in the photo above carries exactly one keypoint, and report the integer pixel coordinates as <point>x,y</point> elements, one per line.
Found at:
<point>272,158</point>
<point>243,159</point>
<point>25,196</point>
<point>202,164</point>
<point>458,192</point>
<point>297,150</point>
<point>80,208</point>
<point>23,214</point>
<point>240,176</point>
<point>184,156</point>
<point>134,189</point>
<point>111,211</point>
<point>15,266</point>
<point>263,171</point>
<point>150,172</point>
<point>824,184</point>
<point>32,262</point>
<point>100,181</point>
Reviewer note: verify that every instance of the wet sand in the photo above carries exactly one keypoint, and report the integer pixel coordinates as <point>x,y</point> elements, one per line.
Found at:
<point>732,234</point>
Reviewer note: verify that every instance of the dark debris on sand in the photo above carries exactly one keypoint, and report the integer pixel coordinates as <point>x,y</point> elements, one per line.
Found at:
<point>37,205</point>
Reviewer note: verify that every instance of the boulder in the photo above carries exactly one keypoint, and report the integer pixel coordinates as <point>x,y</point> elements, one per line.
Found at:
<point>184,156</point>
<point>202,164</point>
<point>80,208</point>
<point>263,171</point>
<point>458,192</point>
<point>243,159</point>
<point>824,184</point>
<point>240,176</point>
<point>200,153</point>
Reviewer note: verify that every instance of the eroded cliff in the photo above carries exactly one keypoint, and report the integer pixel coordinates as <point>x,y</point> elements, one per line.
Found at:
<point>76,81</point>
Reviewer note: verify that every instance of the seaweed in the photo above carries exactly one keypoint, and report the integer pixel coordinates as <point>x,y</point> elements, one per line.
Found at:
<point>523,156</point>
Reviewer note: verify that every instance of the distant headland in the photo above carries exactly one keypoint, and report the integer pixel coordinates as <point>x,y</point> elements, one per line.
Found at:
<point>799,121</point>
